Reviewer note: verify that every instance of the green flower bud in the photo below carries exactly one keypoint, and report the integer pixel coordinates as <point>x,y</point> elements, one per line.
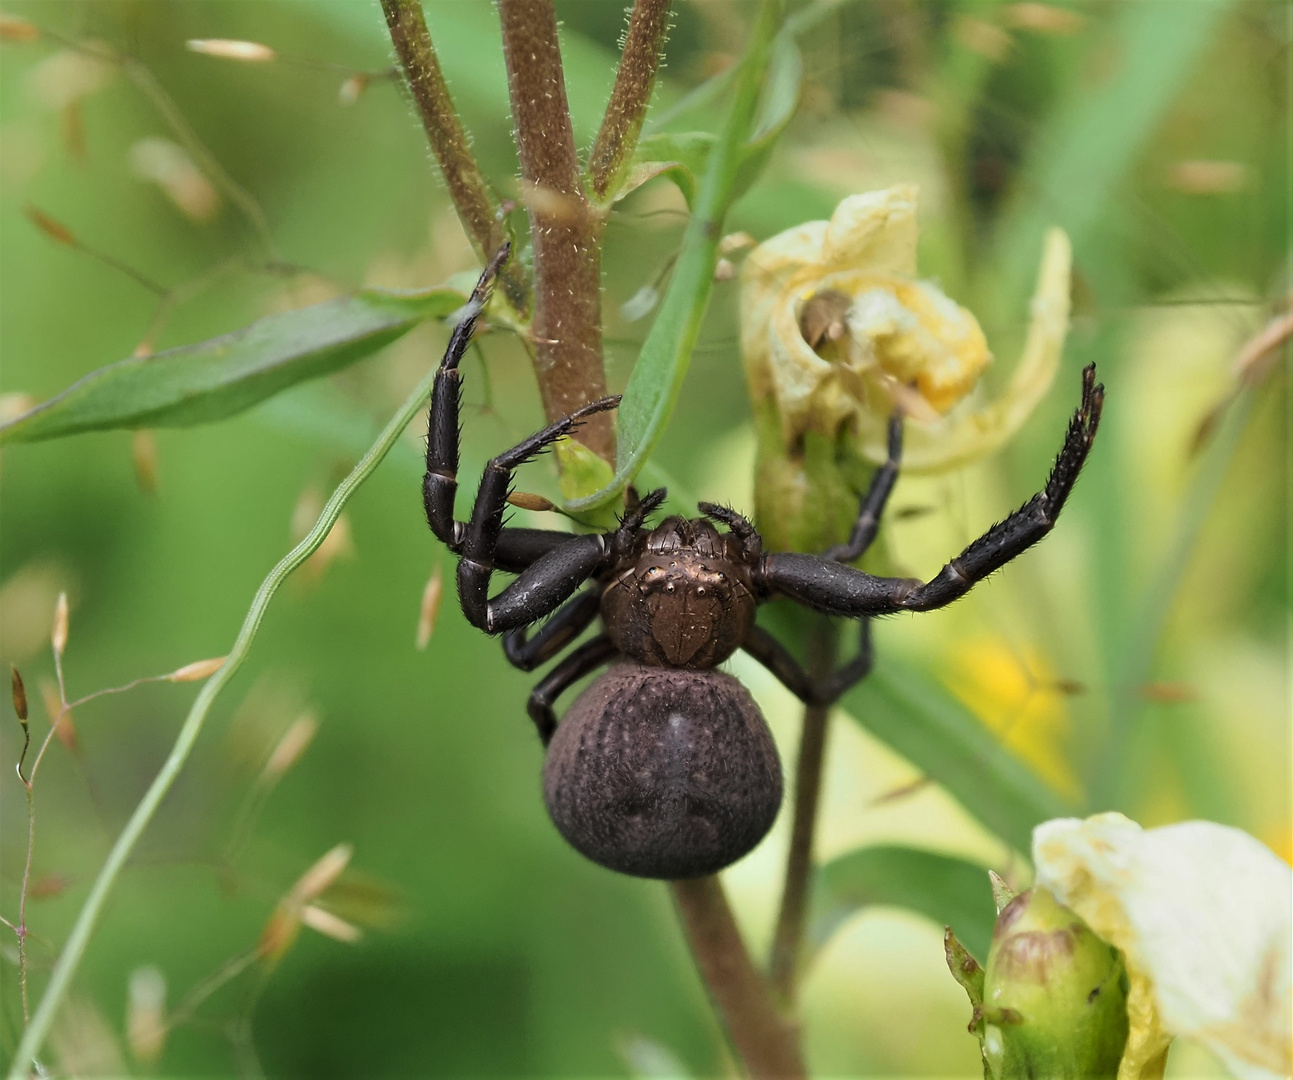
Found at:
<point>1054,995</point>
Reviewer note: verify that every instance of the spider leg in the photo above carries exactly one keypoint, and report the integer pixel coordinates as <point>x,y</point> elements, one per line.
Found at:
<point>568,623</point>
<point>837,589</point>
<point>517,548</point>
<point>774,656</point>
<point>574,667</point>
<point>549,580</point>
<point>440,483</point>
<point>872,505</point>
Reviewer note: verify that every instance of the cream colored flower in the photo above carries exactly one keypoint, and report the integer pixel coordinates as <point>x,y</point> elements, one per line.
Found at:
<point>1203,914</point>
<point>837,329</point>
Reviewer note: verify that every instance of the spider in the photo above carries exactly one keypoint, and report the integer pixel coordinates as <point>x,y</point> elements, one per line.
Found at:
<point>664,767</point>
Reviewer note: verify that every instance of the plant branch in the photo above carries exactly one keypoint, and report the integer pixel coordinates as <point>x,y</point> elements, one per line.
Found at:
<point>468,190</point>
<point>612,150</point>
<point>69,959</point>
<point>565,231</point>
<point>766,1041</point>
<point>787,942</point>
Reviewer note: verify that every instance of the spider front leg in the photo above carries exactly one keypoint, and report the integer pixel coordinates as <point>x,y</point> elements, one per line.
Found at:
<point>516,548</point>
<point>551,564</point>
<point>440,484</point>
<point>836,589</point>
<point>549,580</point>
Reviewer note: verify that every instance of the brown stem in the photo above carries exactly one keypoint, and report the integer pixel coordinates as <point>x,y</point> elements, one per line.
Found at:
<point>612,150</point>
<point>789,936</point>
<point>565,231</point>
<point>462,176</point>
<point>765,1040</point>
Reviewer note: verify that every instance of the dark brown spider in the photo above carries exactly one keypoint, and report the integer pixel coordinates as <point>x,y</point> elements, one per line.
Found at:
<point>664,767</point>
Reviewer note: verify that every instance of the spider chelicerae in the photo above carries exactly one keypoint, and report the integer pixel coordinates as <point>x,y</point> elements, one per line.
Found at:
<point>663,767</point>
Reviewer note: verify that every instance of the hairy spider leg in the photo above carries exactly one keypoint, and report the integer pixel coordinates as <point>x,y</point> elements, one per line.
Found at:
<point>774,656</point>
<point>872,504</point>
<point>587,658</point>
<point>440,484</point>
<point>547,582</point>
<point>570,620</point>
<point>516,548</point>
<point>837,589</point>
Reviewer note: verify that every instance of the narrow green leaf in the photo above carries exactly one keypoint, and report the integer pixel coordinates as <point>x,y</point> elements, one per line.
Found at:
<point>906,709</point>
<point>781,88</point>
<point>950,891</point>
<point>658,374</point>
<point>212,380</point>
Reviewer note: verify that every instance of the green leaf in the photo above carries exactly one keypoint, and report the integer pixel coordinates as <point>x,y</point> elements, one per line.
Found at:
<point>950,891</point>
<point>781,88</point>
<point>657,377</point>
<point>213,380</point>
<point>907,710</point>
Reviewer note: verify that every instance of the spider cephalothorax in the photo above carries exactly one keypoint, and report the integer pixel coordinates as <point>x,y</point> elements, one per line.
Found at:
<point>685,598</point>
<point>664,767</point>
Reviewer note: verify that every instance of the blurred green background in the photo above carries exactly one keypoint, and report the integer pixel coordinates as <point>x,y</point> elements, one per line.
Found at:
<point>1138,660</point>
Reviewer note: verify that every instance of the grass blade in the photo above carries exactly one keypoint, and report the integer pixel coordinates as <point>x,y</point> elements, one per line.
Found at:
<point>907,710</point>
<point>1094,138</point>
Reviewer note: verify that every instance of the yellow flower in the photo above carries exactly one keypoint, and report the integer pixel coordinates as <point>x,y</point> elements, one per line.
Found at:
<point>836,329</point>
<point>1201,913</point>
<point>1016,695</point>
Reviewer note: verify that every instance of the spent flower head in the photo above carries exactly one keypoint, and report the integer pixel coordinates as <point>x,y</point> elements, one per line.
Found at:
<point>838,329</point>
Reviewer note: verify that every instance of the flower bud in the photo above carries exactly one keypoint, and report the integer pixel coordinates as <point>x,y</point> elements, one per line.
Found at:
<point>1054,995</point>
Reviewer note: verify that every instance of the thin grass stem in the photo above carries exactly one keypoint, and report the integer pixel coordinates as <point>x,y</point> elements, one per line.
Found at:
<point>78,940</point>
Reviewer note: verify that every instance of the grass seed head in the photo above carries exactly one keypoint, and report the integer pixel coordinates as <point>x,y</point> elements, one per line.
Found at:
<point>246,52</point>
<point>58,638</point>
<point>19,697</point>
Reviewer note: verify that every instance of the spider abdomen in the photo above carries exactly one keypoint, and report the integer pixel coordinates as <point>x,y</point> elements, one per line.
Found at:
<point>663,773</point>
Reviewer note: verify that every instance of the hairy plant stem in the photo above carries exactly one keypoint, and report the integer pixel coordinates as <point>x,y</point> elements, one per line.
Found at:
<point>468,190</point>
<point>766,1041</point>
<point>612,150</point>
<point>788,939</point>
<point>69,959</point>
<point>565,229</point>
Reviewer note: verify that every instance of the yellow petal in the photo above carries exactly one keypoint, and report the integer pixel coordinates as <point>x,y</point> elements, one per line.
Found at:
<point>971,433</point>
<point>875,231</point>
